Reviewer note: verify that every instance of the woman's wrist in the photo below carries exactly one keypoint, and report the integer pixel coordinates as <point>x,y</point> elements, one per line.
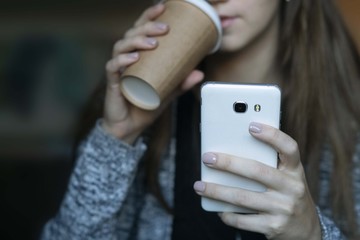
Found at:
<point>316,233</point>
<point>316,229</point>
<point>120,132</point>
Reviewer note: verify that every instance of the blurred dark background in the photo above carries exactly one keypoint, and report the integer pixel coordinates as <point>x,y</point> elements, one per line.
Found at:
<point>52,54</point>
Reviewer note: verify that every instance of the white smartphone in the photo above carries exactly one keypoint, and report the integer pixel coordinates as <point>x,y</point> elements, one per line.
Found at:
<point>227,109</point>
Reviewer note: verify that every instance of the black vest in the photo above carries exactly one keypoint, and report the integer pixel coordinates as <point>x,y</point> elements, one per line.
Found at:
<point>190,220</point>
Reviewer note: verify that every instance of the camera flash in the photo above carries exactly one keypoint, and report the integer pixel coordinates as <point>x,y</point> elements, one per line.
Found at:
<point>257,108</point>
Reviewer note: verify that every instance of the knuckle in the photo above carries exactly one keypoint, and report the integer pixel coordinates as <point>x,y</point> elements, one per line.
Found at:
<point>292,207</point>
<point>299,190</point>
<point>118,44</point>
<point>139,21</point>
<point>239,223</point>
<point>129,32</point>
<point>292,147</point>
<point>211,190</point>
<point>276,228</point>
<point>226,163</point>
<point>147,13</point>
<point>288,208</point>
<point>240,198</point>
<point>109,66</point>
<point>149,26</point>
<point>275,133</point>
<point>229,219</point>
<point>261,170</point>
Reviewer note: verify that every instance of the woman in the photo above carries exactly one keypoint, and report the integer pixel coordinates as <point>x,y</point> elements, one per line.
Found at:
<point>131,179</point>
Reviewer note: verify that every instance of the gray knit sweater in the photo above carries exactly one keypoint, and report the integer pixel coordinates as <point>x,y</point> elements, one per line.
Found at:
<point>106,197</point>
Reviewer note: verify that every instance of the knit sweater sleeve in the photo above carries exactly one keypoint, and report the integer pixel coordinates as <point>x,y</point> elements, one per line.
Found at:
<point>329,230</point>
<point>103,174</point>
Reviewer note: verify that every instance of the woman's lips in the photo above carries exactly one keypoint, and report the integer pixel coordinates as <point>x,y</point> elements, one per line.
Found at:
<point>226,21</point>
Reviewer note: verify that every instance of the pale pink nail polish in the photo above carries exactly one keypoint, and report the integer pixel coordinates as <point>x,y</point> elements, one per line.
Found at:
<point>255,127</point>
<point>199,186</point>
<point>209,158</point>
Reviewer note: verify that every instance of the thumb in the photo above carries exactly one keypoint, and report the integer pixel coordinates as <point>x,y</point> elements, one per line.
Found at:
<point>286,147</point>
<point>194,78</point>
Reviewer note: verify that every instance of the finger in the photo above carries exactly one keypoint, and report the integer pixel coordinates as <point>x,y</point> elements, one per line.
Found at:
<point>148,29</point>
<point>259,202</point>
<point>150,14</point>
<point>116,65</point>
<point>286,146</point>
<point>248,168</point>
<point>142,38</point>
<point>216,1</point>
<point>195,77</point>
<point>133,44</point>
<point>251,222</point>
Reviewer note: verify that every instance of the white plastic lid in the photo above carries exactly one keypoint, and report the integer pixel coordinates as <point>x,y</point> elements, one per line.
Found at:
<point>210,11</point>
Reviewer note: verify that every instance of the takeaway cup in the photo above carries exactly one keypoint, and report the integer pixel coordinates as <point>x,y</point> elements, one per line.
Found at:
<point>195,31</point>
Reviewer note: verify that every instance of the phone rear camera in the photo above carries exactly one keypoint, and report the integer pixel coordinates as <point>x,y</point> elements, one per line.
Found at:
<point>240,107</point>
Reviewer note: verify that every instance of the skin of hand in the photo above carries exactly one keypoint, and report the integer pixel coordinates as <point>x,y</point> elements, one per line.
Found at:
<point>122,119</point>
<point>286,209</point>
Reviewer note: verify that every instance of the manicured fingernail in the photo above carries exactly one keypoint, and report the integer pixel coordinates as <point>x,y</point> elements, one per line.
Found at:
<point>161,26</point>
<point>255,127</point>
<point>199,186</point>
<point>151,41</point>
<point>133,55</point>
<point>159,4</point>
<point>209,158</point>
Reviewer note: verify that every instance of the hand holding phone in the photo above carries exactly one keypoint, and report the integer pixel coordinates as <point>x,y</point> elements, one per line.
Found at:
<point>227,109</point>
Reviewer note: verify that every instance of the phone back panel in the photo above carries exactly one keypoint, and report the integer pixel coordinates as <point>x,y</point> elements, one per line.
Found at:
<point>225,130</point>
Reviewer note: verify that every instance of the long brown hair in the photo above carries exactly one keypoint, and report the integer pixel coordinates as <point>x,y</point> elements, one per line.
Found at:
<point>320,66</point>
<point>321,81</point>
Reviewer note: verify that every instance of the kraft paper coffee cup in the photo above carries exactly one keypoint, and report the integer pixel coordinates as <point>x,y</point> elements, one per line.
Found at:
<point>195,31</point>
